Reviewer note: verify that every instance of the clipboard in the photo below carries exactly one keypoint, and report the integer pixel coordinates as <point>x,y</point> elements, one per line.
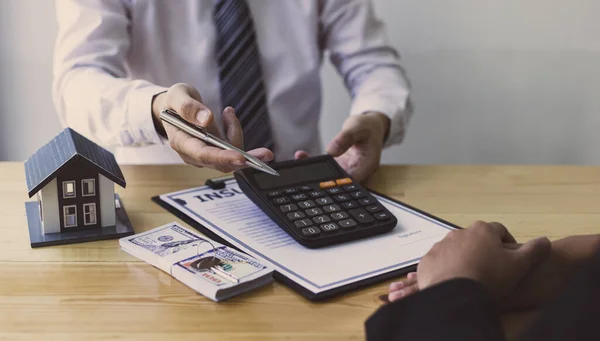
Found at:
<point>219,183</point>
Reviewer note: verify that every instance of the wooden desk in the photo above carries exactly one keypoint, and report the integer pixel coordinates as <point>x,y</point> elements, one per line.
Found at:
<point>94,291</point>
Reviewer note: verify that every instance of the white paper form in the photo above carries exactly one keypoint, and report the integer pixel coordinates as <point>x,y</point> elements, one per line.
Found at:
<point>234,217</point>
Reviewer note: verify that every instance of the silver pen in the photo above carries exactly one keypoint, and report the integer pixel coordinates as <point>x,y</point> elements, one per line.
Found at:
<point>174,119</point>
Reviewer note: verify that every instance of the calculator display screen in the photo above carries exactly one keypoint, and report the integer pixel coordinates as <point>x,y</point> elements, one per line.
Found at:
<point>295,174</point>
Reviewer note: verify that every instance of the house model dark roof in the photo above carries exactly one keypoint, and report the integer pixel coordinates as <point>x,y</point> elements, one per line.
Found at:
<point>69,145</point>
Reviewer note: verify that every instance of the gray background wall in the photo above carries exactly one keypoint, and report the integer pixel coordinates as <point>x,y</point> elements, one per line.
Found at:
<point>513,81</point>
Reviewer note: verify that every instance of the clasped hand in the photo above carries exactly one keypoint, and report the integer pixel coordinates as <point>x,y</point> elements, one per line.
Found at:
<point>486,253</point>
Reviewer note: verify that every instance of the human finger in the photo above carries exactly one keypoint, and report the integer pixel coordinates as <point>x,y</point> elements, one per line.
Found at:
<point>501,230</point>
<point>404,292</point>
<point>233,128</point>
<point>300,154</point>
<point>187,102</point>
<point>263,154</point>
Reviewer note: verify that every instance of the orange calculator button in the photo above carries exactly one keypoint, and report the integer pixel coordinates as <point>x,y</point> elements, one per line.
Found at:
<point>327,184</point>
<point>343,181</point>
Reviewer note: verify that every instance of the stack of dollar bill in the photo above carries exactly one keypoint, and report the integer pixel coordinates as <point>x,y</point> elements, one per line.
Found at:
<point>212,269</point>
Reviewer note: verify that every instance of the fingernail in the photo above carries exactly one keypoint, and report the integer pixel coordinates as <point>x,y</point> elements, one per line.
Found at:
<point>238,163</point>
<point>202,117</point>
<point>400,293</point>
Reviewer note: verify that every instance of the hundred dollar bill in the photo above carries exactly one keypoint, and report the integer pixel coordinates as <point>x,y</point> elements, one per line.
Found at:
<point>167,240</point>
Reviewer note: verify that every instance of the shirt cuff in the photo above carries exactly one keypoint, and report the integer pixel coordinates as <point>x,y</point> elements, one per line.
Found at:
<point>141,130</point>
<point>399,115</point>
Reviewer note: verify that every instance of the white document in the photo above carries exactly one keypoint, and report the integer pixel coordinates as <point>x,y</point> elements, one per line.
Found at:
<point>235,218</point>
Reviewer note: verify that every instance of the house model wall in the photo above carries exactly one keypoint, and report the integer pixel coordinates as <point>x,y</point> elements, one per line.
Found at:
<point>48,201</point>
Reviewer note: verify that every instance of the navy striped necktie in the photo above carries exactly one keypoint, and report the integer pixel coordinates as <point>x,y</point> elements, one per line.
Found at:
<point>240,73</point>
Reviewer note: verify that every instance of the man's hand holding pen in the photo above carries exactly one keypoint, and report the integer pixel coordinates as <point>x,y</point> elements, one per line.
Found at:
<point>186,101</point>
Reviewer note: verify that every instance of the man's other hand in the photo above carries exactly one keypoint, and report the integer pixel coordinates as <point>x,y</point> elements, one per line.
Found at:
<point>357,147</point>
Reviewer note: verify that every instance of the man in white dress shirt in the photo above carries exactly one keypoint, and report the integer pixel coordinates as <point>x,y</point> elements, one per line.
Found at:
<point>248,70</point>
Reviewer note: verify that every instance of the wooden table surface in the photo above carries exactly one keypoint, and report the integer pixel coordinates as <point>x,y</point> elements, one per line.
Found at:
<point>95,291</point>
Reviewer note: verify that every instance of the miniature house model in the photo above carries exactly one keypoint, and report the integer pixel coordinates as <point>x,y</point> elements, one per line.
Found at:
<point>73,179</point>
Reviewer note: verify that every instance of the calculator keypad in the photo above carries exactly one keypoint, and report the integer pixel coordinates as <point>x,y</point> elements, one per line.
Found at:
<point>329,208</point>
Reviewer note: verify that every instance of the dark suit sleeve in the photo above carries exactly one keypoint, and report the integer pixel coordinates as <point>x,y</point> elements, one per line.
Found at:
<point>575,314</point>
<point>459,309</point>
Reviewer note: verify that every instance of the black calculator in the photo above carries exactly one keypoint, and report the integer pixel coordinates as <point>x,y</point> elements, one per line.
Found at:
<point>316,202</point>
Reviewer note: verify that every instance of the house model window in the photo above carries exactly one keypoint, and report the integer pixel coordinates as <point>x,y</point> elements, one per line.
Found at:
<point>70,214</point>
<point>69,189</point>
<point>88,187</point>
<point>89,214</point>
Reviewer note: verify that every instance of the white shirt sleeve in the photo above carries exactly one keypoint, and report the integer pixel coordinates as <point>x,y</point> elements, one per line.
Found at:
<point>91,90</point>
<point>359,49</point>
